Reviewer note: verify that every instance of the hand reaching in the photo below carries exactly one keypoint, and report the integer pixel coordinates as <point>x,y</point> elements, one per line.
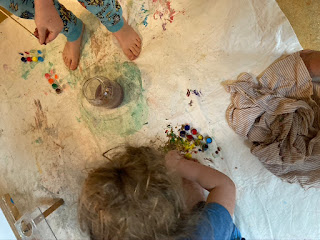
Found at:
<point>48,21</point>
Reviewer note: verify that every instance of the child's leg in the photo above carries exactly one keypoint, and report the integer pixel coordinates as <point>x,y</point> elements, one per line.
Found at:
<point>312,61</point>
<point>110,14</point>
<point>72,25</point>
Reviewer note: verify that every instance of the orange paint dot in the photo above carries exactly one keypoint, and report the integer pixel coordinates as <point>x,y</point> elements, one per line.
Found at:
<point>51,81</point>
<point>56,76</point>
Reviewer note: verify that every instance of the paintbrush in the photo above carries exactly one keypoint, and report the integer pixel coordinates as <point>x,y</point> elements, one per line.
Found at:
<point>18,23</point>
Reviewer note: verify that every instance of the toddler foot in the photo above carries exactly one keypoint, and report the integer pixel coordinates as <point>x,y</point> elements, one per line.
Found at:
<point>71,52</point>
<point>129,41</point>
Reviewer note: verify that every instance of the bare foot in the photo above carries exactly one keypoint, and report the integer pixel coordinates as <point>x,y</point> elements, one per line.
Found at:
<point>129,41</point>
<point>71,52</point>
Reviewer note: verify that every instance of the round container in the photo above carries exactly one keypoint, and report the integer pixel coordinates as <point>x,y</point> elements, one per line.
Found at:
<point>101,92</point>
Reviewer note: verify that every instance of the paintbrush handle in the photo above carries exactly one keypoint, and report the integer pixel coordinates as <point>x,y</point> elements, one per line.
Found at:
<point>18,23</point>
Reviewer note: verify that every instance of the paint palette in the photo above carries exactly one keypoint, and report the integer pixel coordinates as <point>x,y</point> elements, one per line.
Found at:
<point>188,140</point>
<point>53,78</point>
<point>32,56</point>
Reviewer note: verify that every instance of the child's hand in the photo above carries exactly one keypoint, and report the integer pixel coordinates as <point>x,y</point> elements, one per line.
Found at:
<point>48,21</point>
<point>172,159</point>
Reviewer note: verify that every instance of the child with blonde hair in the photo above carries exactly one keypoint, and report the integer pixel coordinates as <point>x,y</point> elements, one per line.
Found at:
<point>142,194</point>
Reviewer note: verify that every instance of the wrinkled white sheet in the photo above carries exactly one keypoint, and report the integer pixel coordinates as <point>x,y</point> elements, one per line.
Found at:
<point>207,43</point>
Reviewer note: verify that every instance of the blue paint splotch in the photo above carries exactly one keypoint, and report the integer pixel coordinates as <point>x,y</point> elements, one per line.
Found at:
<point>145,21</point>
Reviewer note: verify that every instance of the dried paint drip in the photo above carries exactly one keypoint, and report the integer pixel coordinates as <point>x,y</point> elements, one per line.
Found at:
<point>195,92</point>
<point>32,56</point>
<point>164,12</point>
<point>188,140</point>
<point>53,81</point>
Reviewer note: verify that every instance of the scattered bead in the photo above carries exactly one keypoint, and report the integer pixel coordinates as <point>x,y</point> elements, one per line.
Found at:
<point>39,52</point>
<point>194,131</point>
<point>182,134</point>
<point>58,91</point>
<point>189,137</point>
<point>47,75</point>
<point>188,155</point>
<point>35,59</point>
<point>26,52</point>
<point>208,140</point>
<point>52,71</point>
<point>23,59</point>
<point>219,149</point>
<point>21,53</point>
<point>205,147</point>
<point>40,59</point>
<point>51,81</point>
<point>217,152</point>
<point>200,137</point>
<point>187,127</point>
<point>56,76</point>
<point>29,59</point>
<point>54,86</point>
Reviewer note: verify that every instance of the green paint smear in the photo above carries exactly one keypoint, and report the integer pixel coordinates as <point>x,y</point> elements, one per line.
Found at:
<point>39,140</point>
<point>25,75</point>
<point>130,116</point>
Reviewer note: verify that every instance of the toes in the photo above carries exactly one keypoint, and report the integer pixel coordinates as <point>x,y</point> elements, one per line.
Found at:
<point>135,50</point>
<point>138,39</point>
<point>74,64</point>
<point>129,54</point>
<point>138,44</point>
<point>68,62</point>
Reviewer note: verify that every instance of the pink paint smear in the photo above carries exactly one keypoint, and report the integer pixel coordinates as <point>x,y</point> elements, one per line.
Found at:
<point>165,12</point>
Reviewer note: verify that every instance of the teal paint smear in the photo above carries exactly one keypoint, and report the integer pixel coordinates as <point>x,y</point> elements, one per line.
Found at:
<point>145,23</point>
<point>130,116</point>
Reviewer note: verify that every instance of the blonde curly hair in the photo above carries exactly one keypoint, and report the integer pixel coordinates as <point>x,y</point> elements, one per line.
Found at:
<point>133,196</point>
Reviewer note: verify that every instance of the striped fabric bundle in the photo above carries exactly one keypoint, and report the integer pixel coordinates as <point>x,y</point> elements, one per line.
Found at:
<point>279,114</point>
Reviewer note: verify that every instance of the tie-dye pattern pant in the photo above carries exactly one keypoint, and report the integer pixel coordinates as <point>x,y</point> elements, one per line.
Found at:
<point>109,13</point>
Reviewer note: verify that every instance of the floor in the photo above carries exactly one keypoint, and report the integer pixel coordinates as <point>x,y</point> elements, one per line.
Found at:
<point>304,18</point>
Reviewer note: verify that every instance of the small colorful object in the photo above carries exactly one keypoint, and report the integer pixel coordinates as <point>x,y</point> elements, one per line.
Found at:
<point>23,59</point>
<point>58,91</point>
<point>29,59</point>
<point>200,137</point>
<point>54,86</point>
<point>190,137</point>
<point>208,140</point>
<point>34,59</point>
<point>182,134</point>
<point>40,59</point>
<point>194,131</point>
<point>47,75</point>
<point>187,127</point>
<point>205,147</point>
<point>51,81</point>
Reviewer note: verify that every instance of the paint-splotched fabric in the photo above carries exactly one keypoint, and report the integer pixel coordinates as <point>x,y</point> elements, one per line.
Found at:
<point>279,113</point>
<point>109,12</point>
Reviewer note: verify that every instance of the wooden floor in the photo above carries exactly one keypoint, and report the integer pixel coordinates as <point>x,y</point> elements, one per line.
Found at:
<point>305,20</point>
<point>2,16</point>
<point>303,16</point>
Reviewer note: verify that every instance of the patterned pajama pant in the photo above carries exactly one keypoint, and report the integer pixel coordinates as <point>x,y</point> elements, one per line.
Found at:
<point>109,13</point>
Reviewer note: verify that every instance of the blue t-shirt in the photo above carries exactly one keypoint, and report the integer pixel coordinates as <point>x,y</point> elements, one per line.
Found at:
<point>216,224</point>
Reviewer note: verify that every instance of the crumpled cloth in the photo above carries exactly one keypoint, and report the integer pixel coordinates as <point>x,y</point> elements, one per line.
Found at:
<point>279,114</point>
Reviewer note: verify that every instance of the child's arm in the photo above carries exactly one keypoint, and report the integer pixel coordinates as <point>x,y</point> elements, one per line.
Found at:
<point>222,189</point>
